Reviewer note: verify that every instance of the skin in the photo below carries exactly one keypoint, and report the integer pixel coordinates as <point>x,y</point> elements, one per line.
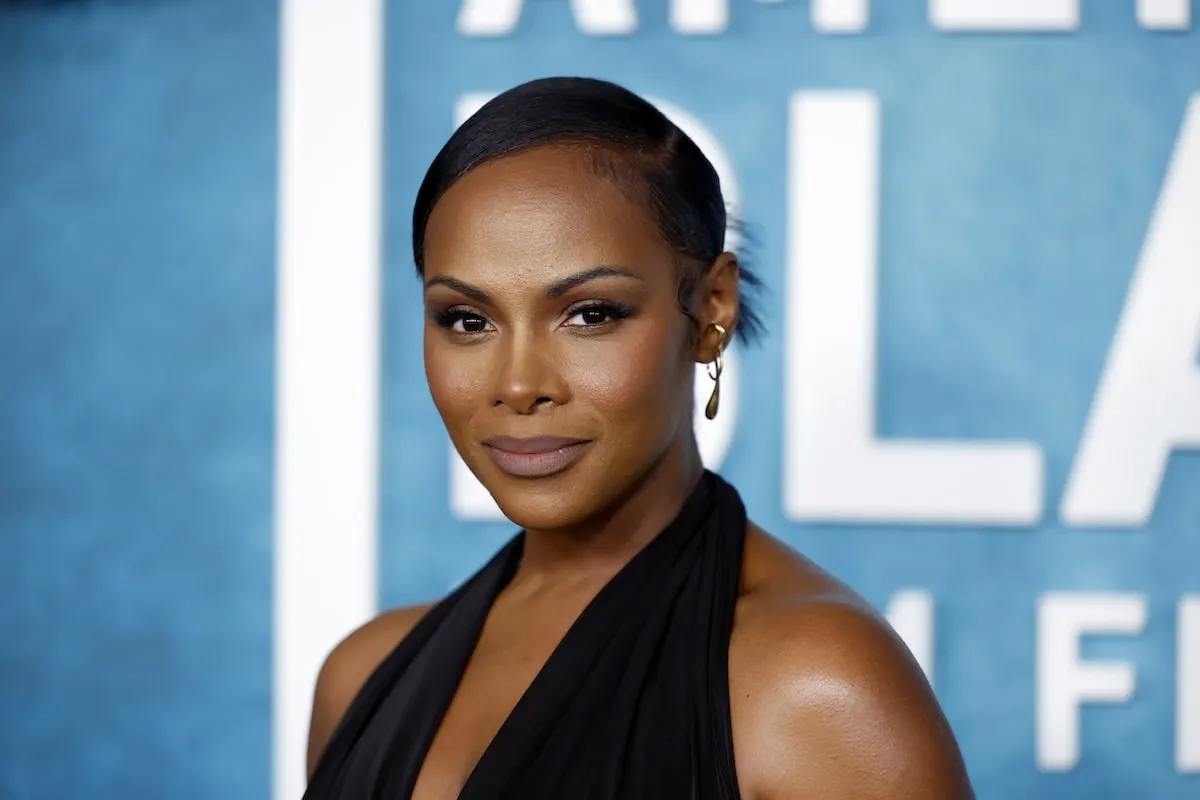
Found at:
<point>825,700</point>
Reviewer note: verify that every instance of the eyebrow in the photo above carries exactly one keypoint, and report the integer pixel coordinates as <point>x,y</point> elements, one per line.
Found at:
<point>556,289</point>
<point>564,285</point>
<point>478,295</point>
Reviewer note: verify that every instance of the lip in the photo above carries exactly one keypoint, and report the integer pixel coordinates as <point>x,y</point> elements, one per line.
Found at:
<point>536,456</point>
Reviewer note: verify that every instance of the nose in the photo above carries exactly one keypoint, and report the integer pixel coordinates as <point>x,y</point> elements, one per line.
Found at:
<point>527,377</point>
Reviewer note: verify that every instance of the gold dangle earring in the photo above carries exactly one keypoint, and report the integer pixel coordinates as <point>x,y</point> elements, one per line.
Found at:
<point>714,371</point>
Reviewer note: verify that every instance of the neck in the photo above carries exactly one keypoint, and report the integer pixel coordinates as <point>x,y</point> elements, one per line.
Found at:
<point>604,543</point>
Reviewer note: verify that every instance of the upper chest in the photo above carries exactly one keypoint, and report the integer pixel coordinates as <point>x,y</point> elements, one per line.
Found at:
<point>505,665</point>
<point>517,640</point>
<point>520,635</point>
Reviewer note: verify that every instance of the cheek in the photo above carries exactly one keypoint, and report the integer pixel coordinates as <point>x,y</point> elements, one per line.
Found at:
<point>635,381</point>
<point>456,380</point>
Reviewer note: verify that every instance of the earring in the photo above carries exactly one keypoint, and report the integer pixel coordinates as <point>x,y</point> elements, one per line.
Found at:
<point>714,371</point>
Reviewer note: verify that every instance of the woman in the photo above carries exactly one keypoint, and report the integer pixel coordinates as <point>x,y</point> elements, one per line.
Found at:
<point>640,638</point>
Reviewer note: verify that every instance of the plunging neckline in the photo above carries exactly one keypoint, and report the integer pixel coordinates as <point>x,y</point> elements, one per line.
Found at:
<point>580,629</point>
<point>632,703</point>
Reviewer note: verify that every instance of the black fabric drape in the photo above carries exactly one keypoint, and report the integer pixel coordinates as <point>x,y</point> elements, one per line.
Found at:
<point>632,704</point>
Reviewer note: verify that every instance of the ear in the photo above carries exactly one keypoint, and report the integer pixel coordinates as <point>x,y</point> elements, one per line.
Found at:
<point>718,299</point>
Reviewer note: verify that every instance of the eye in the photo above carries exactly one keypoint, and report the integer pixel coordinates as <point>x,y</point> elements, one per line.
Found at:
<point>469,323</point>
<point>595,314</point>
<point>462,321</point>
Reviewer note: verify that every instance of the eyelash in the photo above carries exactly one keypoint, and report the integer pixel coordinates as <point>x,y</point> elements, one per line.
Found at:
<point>613,312</point>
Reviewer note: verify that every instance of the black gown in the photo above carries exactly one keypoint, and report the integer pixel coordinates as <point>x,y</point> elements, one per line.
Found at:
<point>632,704</point>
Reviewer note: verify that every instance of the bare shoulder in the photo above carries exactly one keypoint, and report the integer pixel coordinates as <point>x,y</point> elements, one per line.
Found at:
<point>347,668</point>
<point>827,701</point>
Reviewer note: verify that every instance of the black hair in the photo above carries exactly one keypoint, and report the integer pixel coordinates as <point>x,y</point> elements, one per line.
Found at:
<point>629,138</point>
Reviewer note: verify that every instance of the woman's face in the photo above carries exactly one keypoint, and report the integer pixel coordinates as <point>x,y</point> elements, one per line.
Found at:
<point>555,348</point>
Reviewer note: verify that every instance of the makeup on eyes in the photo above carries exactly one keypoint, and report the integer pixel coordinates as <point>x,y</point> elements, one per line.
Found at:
<point>593,314</point>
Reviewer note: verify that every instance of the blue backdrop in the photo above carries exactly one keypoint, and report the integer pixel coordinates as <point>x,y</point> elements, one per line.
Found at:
<point>1018,176</point>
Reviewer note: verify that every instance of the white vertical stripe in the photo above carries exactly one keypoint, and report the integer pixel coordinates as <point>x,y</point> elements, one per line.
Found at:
<point>910,613</point>
<point>1187,675</point>
<point>327,381</point>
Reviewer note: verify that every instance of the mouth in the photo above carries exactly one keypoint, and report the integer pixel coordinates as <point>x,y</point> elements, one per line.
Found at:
<point>535,457</point>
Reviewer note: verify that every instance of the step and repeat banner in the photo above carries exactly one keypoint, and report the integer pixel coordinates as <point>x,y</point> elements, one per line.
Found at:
<point>978,402</point>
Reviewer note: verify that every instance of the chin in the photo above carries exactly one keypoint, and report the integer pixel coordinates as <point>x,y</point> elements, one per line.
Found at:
<point>537,506</point>
<point>544,504</point>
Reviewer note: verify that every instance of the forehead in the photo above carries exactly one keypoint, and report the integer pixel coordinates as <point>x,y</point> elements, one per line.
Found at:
<point>548,208</point>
